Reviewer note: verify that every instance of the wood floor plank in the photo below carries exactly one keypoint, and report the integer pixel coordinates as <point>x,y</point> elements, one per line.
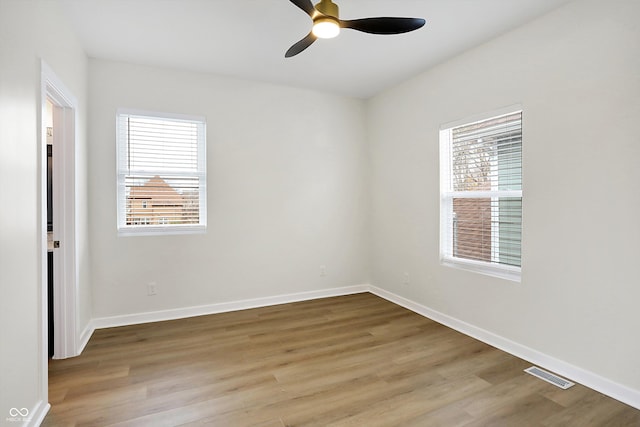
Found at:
<point>183,414</point>
<point>354,360</point>
<point>529,410</point>
<point>415,402</point>
<point>446,416</point>
<point>491,399</point>
<point>594,410</point>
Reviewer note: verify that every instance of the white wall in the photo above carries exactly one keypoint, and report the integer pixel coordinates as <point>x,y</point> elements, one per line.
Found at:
<point>286,193</point>
<point>576,72</point>
<point>31,30</point>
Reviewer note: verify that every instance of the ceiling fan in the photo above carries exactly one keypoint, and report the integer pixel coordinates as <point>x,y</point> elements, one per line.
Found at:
<point>327,24</point>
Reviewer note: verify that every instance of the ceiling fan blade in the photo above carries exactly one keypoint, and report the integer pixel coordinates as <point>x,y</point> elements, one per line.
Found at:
<point>305,5</point>
<point>300,46</point>
<point>384,25</point>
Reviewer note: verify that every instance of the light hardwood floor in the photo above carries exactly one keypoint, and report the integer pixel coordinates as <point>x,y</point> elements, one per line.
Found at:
<point>355,360</point>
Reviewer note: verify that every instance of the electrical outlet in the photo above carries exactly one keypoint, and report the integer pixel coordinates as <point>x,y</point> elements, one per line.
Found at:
<point>405,280</point>
<point>152,288</point>
<point>323,270</point>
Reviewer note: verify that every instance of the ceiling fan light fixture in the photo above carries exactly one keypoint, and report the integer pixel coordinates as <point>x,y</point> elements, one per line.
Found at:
<point>327,24</point>
<point>325,27</point>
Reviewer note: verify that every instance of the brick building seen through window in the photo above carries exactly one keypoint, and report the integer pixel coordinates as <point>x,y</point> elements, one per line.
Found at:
<point>156,203</point>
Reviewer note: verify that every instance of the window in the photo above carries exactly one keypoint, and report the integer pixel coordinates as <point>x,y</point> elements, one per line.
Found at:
<point>481,195</point>
<point>161,173</point>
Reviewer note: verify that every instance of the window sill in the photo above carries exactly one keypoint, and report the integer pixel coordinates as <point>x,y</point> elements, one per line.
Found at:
<point>161,231</point>
<point>500,271</point>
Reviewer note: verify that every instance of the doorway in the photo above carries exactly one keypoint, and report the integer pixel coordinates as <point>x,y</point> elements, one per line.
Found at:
<point>48,122</point>
<point>59,267</point>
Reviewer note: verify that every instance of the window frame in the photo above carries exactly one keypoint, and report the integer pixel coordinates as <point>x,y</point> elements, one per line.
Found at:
<point>447,195</point>
<point>122,171</point>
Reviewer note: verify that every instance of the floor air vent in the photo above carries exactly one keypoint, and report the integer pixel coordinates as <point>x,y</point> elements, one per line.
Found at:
<point>549,377</point>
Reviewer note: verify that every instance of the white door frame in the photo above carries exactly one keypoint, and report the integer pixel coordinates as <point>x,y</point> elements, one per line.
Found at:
<point>65,303</point>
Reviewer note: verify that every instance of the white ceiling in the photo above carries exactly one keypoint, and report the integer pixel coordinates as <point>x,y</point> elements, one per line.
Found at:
<point>248,38</point>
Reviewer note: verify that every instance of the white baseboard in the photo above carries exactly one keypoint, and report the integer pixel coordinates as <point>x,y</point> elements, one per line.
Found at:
<point>85,336</point>
<point>596,382</point>
<point>603,385</point>
<point>37,414</point>
<point>180,313</point>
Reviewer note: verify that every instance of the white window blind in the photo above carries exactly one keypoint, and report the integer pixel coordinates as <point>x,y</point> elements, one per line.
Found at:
<point>161,173</point>
<point>481,195</point>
